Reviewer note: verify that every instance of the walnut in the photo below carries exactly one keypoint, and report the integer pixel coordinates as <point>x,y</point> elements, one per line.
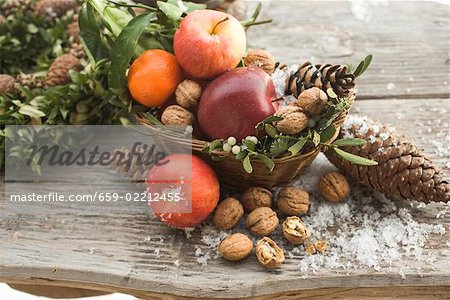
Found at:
<point>256,197</point>
<point>321,246</point>
<point>310,249</point>
<point>269,254</point>
<point>262,221</point>
<point>293,201</point>
<point>334,187</point>
<point>228,213</point>
<point>312,101</point>
<point>260,59</point>
<point>177,115</point>
<point>295,231</point>
<point>294,120</point>
<point>188,93</point>
<point>235,247</point>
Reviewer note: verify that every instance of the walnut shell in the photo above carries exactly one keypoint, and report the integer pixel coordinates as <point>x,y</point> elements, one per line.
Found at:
<point>294,120</point>
<point>177,115</point>
<point>235,247</point>
<point>262,221</point>
<point>295,231</point>
<point>312,101</point>
<point>260,59</point>
<point>334,187</point>
<point>293,201</point>
<point>310,249</point>
<point>188,93</point>
<point>269,254</point>
<point>255,197</point>
<point>321,246</point>
<point>228,213</point>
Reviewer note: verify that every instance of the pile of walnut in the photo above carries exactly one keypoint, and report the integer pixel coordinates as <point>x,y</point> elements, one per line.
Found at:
<point>262,220</point>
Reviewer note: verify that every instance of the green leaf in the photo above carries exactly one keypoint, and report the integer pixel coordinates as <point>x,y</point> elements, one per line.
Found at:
<point>249,145</point>
<point>271,131</point>
<point>327,134</point>
<point>191,6</point>
<point>123,51</point>
<point>316,138</point>
<point>173,12</point>
<point>241,155</point>
<point>331,93</point>
<point>362,67</point>
<point>355,159</point>
<point>268,120</point>
<point>279,146</point>
<point>153,120</point>
<point>90,35</point>
<point>294,149</point>
<point>29,110</point>
<point>349,142</point>
<point>269,163</point>
<point>216,144</point>
<point>247,164</point>
<point>115,19</point>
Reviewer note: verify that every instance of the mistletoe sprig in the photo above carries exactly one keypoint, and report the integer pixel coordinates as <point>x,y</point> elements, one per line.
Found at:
<point>273,144</point>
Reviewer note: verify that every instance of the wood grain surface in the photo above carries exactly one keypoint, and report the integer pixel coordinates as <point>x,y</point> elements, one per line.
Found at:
<point>112,249</point>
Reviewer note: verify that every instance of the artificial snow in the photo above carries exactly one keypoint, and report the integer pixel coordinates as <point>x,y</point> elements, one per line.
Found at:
<point>366,231</point>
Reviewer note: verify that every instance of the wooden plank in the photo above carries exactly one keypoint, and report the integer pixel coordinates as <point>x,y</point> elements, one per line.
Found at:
<point>409,41</point>
<point>112,247</point>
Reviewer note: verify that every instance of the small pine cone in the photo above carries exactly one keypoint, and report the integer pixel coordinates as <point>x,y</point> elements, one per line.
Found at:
<point>77,50</point>
<point>58,73</point>
<point>294,120</point>
<point>73,30</point>
<point>30,81</point>
<point>7,84</point>
<point>50,9</point>
<point>403,171</point>
<point>321,76</point>
<point>11,7</point>
<point>135,169</point>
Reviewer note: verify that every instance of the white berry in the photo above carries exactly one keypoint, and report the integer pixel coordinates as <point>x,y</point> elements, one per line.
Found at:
<point>252,139</point>
<point>231,141</point>
<point>189,129</point>
<point>236,149</point>
<point>226,147</point>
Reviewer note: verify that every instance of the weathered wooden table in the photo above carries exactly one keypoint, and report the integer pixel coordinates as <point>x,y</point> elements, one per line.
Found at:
<point>113,250</point>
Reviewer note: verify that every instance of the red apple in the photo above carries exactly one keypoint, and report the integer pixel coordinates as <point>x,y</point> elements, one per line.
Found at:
<point>235,102</point>
<point>208,43</point>
<point>185,177</point>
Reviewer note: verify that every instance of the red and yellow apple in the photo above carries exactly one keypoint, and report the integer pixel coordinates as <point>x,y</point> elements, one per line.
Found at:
<point>208,43</point>
<point>235,102</point>
<point>185,178</point>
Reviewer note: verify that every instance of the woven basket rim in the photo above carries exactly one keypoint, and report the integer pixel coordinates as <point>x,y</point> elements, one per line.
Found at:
<point>198,145</point>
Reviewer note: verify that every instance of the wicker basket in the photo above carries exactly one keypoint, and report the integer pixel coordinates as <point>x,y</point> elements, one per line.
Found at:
<point>230,171</point>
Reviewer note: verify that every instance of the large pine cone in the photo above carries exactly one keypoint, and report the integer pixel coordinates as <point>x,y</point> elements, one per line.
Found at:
<point>58,73</point>
<point>55,8</point>
<point>403,171</point>
<point>321,76</point>
<point>7,83</point>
